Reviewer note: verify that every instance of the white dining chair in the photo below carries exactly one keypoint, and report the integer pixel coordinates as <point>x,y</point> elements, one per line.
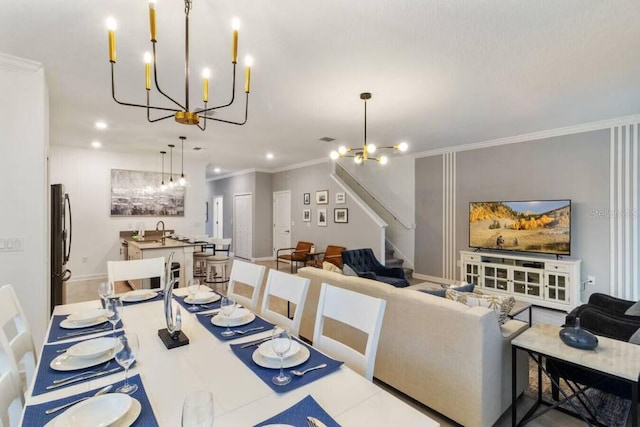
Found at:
<point>11,397</point>
<point>360,311</point>
<point>118,271</point>
<point>15,329</point>
<point>248,274</point>
<point>290,288</point>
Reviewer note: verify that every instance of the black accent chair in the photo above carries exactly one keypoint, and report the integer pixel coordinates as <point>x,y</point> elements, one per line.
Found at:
<point>603,315</point>
<point>365,264</point>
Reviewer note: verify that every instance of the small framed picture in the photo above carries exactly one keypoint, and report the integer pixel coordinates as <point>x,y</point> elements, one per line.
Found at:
<point>322,197</point>
<point>306,215</point>
<point>341,198</point>
<point>341,215</point>
<point>322,217</point>
<point>307,198</point>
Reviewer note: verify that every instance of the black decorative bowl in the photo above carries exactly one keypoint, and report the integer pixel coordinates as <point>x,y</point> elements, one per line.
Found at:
<point>578,338</point>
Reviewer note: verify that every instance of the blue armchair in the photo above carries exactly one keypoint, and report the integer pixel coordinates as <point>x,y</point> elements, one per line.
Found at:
<point>365,264</point>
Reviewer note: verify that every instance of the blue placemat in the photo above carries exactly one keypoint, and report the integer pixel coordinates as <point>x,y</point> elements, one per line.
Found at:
<point>201,307</point>
<point>58,334</point>
<point>45,375</point>
<point>34,414</point>
<point>158,297</point>
<point>218,330</point>
<point>265,374</point>
<point>298,413</point>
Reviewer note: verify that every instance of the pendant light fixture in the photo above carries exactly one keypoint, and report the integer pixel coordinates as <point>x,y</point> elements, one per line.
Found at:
<point>163,186</point>
<point>182,181</point>
<point>367,150</point>
<point>171,183</point>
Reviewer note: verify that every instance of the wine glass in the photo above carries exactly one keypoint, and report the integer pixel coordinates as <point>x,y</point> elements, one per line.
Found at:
<point>281,343</point>
<point>114,312</point>
<point>193,287</point>
<point>105,290</point>
<point>227,307</point>
<point>197,410</point>
<point>127,350</point>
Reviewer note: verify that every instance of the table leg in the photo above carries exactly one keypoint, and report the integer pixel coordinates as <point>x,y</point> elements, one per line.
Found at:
<point>514,386</point>
<point>634,404</point>
<point>530,310</point>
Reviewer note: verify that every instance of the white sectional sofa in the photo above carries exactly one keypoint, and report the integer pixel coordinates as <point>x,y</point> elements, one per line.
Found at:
<point>452,358</point>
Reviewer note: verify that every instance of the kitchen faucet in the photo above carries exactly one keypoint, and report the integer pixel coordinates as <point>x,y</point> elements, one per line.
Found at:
<point>157,225</point>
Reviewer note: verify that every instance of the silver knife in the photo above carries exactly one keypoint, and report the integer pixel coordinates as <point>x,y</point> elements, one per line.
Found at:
<point>86,377</point>
<point>256,342</point>
<point>314,422</point>
<point>84,332</point>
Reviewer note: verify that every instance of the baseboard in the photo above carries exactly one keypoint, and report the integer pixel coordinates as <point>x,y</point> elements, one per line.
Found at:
<point>264,258</point>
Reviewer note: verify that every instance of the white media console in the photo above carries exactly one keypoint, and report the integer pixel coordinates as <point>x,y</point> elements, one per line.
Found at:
<point>540,281</point>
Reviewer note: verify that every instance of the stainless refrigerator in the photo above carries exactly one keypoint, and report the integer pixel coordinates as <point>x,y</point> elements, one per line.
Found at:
<point>60,242</point>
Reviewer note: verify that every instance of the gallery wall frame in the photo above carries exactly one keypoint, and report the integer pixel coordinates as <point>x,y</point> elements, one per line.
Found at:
<point>322,217</point>
<point>341,198</point>
<point>306,215</point>
<point>306,199</point>
<point>341,215</point>
<point>322,197</point>
<point>138,193</point>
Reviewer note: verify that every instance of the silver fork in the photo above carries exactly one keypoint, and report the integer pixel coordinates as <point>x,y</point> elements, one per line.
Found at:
<point>301,373</point>
<point>242,332</point>
<point>95,371</point>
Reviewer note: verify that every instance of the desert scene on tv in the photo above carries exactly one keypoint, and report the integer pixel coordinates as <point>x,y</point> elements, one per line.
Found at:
<point>532,226</point>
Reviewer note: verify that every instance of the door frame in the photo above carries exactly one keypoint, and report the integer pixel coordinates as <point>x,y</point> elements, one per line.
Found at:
<point>233,225</point>
<point>275,249</point>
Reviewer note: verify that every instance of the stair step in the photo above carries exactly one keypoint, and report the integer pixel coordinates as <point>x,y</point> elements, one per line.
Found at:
<point>388,253</point>
<point>394,262</point>
<point>408,272</point>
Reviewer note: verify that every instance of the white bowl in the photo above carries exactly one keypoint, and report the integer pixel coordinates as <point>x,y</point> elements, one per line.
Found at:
<point>98,411</point>
<point>88,316</point>
<point>92,348</point>
<point>203,296</point>
<point>138,295</point>
<point>238,313</point>
<point>266,350</point>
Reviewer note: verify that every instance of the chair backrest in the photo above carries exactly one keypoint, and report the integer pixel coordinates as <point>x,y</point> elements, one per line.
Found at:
<point>136,269</point>
<point>248,274</point>
<point>360,260</point>
<point>303,246</point>
<point>360,311</point>
<point>11,398</point>
<point>333,254</point>
<point>220,245</point>
<point>287,287</point>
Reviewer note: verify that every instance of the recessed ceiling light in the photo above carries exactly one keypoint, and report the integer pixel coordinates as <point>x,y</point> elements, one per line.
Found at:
<point>100,125</point>
<point>269,156</point>
<point>216,170</point>
<point>197,148</point>
<point>96,144</point>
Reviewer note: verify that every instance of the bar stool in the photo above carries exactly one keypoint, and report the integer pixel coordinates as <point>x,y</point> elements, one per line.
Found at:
<point>200,264</point>
<point>217,269</point>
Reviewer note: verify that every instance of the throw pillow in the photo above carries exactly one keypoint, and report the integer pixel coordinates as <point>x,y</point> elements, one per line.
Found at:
<point>348,271</point>
<point>635,338</point>
<point>437,292</point>
<point>466,287</point>
<point>501,305</point>
<point>634,310</point>
<point>331,267</point>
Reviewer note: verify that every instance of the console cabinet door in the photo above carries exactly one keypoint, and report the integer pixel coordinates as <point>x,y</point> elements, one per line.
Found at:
<point>528,283</point>
<point>557,287</point>
<point>496,278</point>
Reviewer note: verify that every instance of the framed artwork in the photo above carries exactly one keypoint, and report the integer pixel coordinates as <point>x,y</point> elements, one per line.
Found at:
<point>322,217</point>
<point>307,198</point>
<point>341,215</point>
<point>322,197</point>
<point>306,215</point>
<point>137,193</point>
<point>341,198</point>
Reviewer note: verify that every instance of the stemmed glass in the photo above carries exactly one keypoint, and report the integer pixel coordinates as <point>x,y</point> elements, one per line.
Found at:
<point>197,410</point>
<point>105,290</point>
<point>127,346</point>
<point>114,312</point>
<point>227,307</point>
<point>281,343</point>
<point>193,287</point>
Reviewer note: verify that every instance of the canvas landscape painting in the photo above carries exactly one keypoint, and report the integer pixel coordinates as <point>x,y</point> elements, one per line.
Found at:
<point>138,193</point>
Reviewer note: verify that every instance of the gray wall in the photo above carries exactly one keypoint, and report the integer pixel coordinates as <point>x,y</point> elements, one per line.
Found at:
<point>572,167</point>
<point>263,216</point>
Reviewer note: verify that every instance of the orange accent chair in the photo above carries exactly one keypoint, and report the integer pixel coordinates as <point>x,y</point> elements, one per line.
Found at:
<point>299,254</point>
<point>332,254</point>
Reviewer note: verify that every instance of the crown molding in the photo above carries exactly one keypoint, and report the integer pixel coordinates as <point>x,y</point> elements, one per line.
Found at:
<point>18,65</point>
<point>300,165</point>
<point>568,130</point>
<point>237,173</point>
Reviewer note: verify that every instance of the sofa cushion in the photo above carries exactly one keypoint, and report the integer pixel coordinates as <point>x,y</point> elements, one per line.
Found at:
<point>466,287</point>
<point>348,271</point>
<point>395,281</point>
<point>635,338</point>
<point>634,310</point>
<point>437,292</point>
<point>501,305</point>
<point>331,267</point>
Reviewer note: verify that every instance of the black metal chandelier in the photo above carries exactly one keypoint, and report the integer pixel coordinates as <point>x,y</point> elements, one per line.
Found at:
<point>361,155</point>
<point>183,114</point>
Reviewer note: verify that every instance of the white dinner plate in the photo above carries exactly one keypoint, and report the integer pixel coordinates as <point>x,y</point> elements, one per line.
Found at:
<point>138,295</point>
<point>69,324</point>
<point>203,298</point>
<point>218,320</point>
<point>297,359</point>
<point>266,350</point>
<point>98,411</point>
<point>238,313</point>
<point>87,316</point>
<point>278,425</point>
<point>90,349</point>
<point>66,362</point>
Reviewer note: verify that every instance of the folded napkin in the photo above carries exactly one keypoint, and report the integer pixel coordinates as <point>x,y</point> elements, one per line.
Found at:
<point>45,375</point>
<point>58,333</point>
<point>298,413</point>
<point>218,330</point>
<point>34,414</point>
<point>158,297</point>
<point>186,305</point>
<point>265,374</point>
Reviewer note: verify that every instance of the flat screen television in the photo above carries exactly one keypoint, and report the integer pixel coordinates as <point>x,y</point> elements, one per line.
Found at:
<point>540,226</point>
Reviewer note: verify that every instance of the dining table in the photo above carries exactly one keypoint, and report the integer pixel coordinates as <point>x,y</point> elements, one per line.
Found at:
<point>209,363</point>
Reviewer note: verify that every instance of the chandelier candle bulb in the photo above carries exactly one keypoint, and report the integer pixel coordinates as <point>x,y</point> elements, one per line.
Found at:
<point>235,24</point>
<point>152,20</point>
<point>247,73</point>
<point>205,84</point>
<point>111,26</point>
<point>147,70</point>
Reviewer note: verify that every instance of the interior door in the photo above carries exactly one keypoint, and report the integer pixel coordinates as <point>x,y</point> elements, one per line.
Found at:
<point>242,225</point>
<point>217,218</point>
<point>281,220</point>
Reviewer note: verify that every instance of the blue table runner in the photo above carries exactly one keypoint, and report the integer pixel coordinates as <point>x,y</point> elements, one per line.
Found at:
<point>298,413</point>
<point>217,331</point>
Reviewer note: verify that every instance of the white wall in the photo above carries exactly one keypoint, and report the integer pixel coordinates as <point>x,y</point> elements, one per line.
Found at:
<point>86,175</point>
<point>24,140</point>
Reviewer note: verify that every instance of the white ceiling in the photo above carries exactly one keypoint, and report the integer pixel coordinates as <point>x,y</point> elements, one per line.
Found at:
<point>442,72</point>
